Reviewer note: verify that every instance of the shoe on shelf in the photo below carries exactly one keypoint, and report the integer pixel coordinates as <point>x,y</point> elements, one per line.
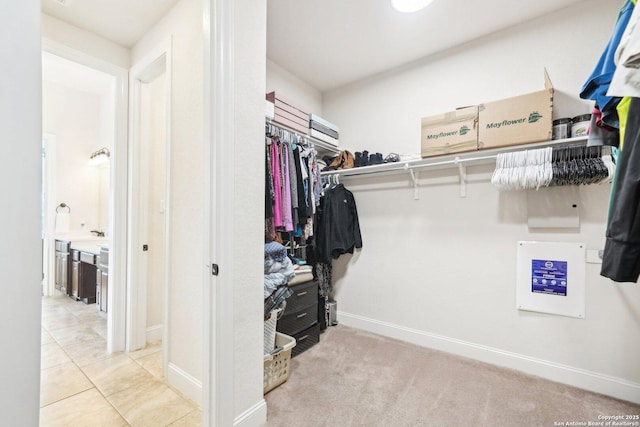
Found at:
<point>376,159</point>
<point>392,157</point>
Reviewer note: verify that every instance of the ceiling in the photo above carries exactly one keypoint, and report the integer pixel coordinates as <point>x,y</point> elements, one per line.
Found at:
<point>121,21</point>
<point>331,43</point>
<point>328,43</point>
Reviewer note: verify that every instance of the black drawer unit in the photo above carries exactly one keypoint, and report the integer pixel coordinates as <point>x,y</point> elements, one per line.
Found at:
<point>304,295</point>
<point>306,339</point>
<point>292,323</point>
<point>300,319</point>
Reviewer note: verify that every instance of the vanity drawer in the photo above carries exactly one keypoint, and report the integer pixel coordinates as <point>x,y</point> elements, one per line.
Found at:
<point>304,295</point>
<point>87,257</point>
<point>63,246</point>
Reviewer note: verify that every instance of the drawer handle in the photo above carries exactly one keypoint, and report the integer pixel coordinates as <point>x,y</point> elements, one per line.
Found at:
<point>300,316</point>
<point>303,338</point>
<point>302,294</point>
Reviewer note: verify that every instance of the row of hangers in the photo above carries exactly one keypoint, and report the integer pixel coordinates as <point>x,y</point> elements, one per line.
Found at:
<point>575,165</point>
<point>273,131</point>
<point>570,165</point>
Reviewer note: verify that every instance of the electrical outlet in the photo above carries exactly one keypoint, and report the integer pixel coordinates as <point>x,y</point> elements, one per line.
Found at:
<point>594,256</point>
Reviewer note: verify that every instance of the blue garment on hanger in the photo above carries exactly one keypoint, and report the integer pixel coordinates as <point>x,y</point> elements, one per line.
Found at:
<point>597,84</point>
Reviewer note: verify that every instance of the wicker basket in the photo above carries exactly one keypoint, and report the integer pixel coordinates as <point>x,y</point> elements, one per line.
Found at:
<point>270,331</point>
<point>276,364</point>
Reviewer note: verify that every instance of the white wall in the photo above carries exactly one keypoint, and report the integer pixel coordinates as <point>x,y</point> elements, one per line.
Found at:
<point>249,55</point>
<point>441,271</point>
<point>74,117</point>
<point>84,41</point>
<point>20,162</point>
<point>292,87</point>
<point>184,24</point>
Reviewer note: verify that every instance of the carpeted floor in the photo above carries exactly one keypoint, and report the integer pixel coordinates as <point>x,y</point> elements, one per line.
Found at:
<point>355,378</point>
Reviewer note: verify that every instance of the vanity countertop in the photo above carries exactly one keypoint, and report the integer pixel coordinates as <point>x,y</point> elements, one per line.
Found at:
<point>90,246</point>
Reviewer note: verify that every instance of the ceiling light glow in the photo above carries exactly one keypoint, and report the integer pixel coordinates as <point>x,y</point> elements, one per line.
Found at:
<point>410,6</point>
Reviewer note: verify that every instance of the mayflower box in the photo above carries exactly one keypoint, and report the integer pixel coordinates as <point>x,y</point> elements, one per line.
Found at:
<point>451,132</point>
<point>519,120</point>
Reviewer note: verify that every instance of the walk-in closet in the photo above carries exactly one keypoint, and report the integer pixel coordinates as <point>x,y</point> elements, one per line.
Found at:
<point>435,203</point>
<point>494,261</point>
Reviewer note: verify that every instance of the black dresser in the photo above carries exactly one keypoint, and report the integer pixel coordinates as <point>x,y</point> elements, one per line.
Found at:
<point>300,319</point>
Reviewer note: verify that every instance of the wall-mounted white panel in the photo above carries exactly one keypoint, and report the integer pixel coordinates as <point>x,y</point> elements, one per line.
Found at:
<point>551,278</point>
<point>554,207</point>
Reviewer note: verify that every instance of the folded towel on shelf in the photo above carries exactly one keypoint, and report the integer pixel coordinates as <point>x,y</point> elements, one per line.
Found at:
<point>301,278</point>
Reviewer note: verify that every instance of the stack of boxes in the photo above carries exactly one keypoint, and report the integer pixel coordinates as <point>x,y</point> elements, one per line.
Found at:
<point>288,113</point>
<point>512,121</point>
<point>323,130</point>
<point>284,111</point>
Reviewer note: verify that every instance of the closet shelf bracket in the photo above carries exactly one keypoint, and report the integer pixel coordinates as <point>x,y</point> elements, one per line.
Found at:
<point>415,177</point>
<point>462,170</point>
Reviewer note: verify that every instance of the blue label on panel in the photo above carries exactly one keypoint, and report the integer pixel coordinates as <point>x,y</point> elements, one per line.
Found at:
<point>549,277</point>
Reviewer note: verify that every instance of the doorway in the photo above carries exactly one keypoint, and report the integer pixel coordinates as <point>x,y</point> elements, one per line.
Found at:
<point>148,266</point>
<point>89,191</point>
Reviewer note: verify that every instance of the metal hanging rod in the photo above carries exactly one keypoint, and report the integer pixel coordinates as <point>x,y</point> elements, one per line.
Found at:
<point>319,144</point>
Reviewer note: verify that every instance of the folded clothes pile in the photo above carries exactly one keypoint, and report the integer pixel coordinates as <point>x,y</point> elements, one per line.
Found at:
<point>278,271</point>
<point>303,274</point>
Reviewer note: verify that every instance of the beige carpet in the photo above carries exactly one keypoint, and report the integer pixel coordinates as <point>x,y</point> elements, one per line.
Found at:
<point>354,378</point>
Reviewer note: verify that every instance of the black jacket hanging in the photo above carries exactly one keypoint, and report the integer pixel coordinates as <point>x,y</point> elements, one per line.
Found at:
<point>338,227</point>
<point>621,258</point>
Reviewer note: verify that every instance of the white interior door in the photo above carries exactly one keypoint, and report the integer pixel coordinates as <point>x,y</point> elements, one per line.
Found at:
<point>48,213</point>
<point>148,268</point>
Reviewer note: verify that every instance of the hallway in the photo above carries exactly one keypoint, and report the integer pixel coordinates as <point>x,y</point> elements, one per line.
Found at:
<point>83,385</point>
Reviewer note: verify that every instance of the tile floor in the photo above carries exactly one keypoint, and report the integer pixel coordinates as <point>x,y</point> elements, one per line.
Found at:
<point>83,385</point>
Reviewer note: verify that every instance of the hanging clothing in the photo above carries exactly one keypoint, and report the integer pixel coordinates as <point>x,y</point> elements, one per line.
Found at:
<point>269,191</point>
<point>286,206</point>
<point>338,227</point>
<point>626,78</point>
<point>293,187</point>
<point>275,169</point>
<point>597,84</point>
<point>621,258</point>
<point>301,203</point>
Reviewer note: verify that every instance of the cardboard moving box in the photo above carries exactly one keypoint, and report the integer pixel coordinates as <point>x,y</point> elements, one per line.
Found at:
<point>451,132</point>
<point>519,120</point>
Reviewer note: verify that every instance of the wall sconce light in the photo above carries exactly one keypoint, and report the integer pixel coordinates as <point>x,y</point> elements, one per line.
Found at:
<point>99,157</point>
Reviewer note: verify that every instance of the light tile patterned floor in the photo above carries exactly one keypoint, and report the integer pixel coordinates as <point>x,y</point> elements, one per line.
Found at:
<point>83,385</point>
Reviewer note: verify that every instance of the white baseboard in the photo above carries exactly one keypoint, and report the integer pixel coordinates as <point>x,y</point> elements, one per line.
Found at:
<point>188,385</point>
<point>154,333</point>
<point>255,416</point>
<point>587,380</point>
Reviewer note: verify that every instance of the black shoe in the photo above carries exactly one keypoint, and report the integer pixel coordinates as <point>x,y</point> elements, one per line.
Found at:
<point>365,158</point>
<point>359,160</point>
<point>376,159</point>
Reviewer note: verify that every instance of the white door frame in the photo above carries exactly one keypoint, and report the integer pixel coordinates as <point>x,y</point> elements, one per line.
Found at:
<point>116,332</point>
<point>48,249</point>
<point>218,310</point>
<point>144,71</point>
